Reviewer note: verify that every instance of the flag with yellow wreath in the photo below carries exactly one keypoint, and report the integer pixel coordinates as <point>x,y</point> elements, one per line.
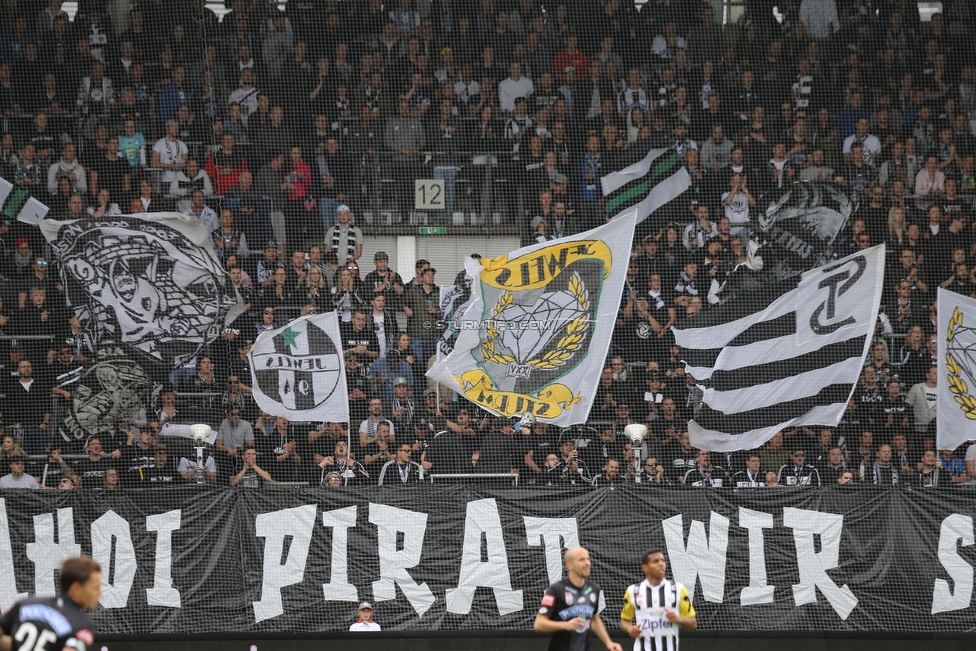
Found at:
<point>538,327</point>
<point>956,390</point>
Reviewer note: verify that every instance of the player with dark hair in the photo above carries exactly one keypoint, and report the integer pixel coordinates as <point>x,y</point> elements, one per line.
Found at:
<point>569,608</point>
<point>56,623</point>
<point>656,609</point>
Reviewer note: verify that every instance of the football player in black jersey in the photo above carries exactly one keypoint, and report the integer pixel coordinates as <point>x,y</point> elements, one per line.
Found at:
<point>56,623</point>
<point>569,608</point>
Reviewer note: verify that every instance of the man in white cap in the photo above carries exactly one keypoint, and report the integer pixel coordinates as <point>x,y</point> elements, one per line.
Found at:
<point>365,622</point>
<point>344,239</point>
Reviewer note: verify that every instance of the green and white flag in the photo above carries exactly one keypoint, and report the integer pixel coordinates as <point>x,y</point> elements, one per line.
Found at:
<point>646,185</point>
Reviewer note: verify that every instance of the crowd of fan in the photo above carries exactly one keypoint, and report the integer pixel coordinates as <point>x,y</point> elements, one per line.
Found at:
<point>294,112</point>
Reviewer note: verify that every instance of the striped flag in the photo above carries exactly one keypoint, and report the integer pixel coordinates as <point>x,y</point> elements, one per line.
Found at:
<point>20,206</point>
<point>647,184</point>
<point>783,359</point>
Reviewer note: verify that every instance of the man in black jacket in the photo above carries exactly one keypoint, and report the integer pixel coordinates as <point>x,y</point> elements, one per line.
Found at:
<point>400,470</point>
<point>27,406</point>
<point>797,472</point>
<point>336,175</point>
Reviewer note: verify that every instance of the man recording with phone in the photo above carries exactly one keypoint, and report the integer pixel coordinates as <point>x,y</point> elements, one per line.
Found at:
<point>572,470</point>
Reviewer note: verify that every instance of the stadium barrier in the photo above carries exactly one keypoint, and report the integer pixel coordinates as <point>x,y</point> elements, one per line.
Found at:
<point>466,557</point>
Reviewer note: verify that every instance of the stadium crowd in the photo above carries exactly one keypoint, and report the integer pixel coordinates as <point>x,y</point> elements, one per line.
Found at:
<point>302,112</point>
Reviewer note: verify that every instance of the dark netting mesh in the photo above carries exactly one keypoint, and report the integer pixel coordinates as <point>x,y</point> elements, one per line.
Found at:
<point>350,156</point>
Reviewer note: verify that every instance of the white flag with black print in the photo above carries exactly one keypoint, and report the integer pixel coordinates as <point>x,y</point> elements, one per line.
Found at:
<point>956,384</point>
<point>772,361</point>
<point>297,371</point>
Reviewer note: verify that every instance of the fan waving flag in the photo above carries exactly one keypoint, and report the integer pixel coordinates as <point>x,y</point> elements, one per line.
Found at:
<point>647,184</point>
<point>956,383</point>
<point>538,328</point>
<point>782,358</point>
<point>297,371</point>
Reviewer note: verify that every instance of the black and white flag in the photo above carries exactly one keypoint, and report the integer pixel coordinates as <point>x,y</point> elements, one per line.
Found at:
<point>455,301</point>
<point>782,359</point>
<point>298,372</point>
<point>151,282</point>
<point>149,292</point>
<point>795,233</point>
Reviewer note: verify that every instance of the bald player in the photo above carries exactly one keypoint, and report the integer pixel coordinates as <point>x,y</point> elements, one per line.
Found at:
<point>569,608</point>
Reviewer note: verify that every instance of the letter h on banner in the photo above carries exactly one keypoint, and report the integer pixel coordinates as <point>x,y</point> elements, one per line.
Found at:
<point>48,555</point>
<point>8,587</point>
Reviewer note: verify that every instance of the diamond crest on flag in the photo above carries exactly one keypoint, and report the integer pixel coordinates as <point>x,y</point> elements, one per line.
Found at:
<point>552,312</point>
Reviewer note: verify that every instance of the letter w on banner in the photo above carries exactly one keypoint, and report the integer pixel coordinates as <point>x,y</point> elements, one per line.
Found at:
<point>297,371</point>
<point>782,358</point>
<point>956,402</point>
<point>539,325</point>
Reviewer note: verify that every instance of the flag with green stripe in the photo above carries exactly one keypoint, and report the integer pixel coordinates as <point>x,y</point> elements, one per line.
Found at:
<point>17,204</point>
<point>647,184</point>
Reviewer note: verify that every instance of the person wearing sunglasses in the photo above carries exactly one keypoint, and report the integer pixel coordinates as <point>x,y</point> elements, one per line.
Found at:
<point>797,472</point>
<point>652,473</point>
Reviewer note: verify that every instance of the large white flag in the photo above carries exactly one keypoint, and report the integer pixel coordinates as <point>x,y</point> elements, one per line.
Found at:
<point>956,422</point>
<point>782,359</point>
<point>297,371</point>
<point>536,334</point>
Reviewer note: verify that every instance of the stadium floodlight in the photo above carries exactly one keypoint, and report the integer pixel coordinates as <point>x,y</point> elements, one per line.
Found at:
<point>637,432</point>
<point>200,433</point>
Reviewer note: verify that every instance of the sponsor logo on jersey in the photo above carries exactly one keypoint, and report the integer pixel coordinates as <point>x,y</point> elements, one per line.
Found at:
<point>583,610</point>
<point>548,600</point>
<point>85,636</point>
<point>39,613</point>
<point>653,625</point>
